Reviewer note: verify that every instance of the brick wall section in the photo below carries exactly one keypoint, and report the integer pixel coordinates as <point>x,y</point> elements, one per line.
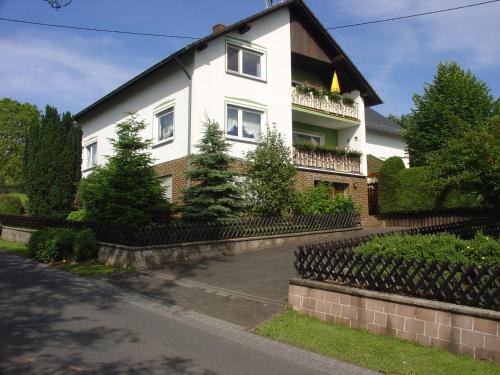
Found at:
<point>357,185</point>
<point>177,169</point>
<point>461,330</point>
<point>357,189</point>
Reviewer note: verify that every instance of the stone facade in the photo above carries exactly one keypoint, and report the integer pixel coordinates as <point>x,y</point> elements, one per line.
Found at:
<point>356,186</point>
<point>460,329</point>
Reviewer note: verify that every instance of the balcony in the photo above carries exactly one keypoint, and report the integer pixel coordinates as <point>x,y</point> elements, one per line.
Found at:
<point>324,104</point>
<point>326,160</point>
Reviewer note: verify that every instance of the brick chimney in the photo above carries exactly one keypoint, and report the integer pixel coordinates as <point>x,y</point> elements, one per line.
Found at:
<point>218,27</point>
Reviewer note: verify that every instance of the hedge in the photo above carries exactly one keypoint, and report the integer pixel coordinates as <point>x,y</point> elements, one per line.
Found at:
<point>388,184</point>
<point>482,250</point>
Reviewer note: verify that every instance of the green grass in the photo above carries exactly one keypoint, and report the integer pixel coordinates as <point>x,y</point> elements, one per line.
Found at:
<point>380,353</point>
<point>14,248</point>
<point>91,268</point>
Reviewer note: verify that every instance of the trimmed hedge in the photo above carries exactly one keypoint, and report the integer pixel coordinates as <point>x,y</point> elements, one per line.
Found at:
<point>388,184</point>
<point>11,204</point>
<point>412,190</point>
<point>482,250</point>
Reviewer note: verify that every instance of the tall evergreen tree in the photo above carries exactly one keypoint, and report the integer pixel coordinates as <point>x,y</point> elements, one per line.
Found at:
<point>125,190</point>
<point>213,194</point>
<point>52,164</point>
<point>453,93</point>
<point>270,170</point>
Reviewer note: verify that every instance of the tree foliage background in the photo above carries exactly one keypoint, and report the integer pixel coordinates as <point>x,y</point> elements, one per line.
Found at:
<point>15,119</point>
<point>270,172</point>
<point>453,94</point>
<point>52,164</point>
<point>125,190</point>
<point>213,194</point>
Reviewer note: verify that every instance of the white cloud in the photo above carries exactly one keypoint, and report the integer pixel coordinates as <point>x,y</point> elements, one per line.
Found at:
<point>471,33</point>
<point>67,72</point>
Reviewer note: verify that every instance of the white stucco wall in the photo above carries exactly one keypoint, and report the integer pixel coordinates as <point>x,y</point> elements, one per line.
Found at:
<point>213,87</point>
<point>165,88</point>
<point>383,146</point>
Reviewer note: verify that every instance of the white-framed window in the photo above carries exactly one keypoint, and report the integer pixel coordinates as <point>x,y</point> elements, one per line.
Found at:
<point>165,124</point>
<point>245,61</point>
<point>166,183</point>
<point>302,137</point>
<point>245,123</point>
<point>90,155</point>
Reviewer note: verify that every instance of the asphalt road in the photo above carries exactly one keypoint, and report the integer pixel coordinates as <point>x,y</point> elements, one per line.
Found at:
<point>52,322</point>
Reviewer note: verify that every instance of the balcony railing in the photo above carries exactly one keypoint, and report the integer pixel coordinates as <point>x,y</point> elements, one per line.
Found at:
<point>326,160</point>
<point>324,104</point>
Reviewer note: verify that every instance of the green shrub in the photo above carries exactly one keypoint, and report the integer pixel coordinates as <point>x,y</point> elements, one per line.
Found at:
<point>458,199</point>
<point>317,200</point>
<point>52,244</point>
<point>11,205</point>
<point>85,246</point>
<point>482,250</point>
<point>416,190</point>
<point>388,184</point>
<point>163,212</point>
<point>78,215</point>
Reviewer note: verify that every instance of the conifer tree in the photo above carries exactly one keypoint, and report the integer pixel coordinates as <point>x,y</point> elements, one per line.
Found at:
<point>213,194</point>
<point>52,164</point>
<point>125,190</point>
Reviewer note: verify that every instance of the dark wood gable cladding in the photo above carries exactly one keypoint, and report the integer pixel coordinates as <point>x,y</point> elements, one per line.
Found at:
<point>303,42</point>
<point>313,49</point>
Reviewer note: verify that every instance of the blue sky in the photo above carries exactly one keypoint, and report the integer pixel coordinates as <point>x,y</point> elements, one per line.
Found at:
<point>70,69</point>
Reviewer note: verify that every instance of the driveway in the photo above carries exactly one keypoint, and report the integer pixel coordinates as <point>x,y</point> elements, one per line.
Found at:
<point>245,289</point>
<point>52,322</point>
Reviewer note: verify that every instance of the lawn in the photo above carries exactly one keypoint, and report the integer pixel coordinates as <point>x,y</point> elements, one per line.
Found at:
<point>14,248</point>
<point>91,268</point>
<point>380,353</point>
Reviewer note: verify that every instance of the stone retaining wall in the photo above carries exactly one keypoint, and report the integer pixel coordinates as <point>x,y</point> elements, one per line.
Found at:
<point>460,329</point>
<point>20,235</point>
<point>150,257</point>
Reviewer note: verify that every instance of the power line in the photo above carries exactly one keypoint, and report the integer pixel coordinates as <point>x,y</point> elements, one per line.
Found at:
<point>192,38</point>
<point>413,15</point>
<point>94,29</point>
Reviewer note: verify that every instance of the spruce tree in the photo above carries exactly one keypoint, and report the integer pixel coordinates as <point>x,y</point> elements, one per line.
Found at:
<point>213,194</point>
<point>125,190</point>
<point>52,164</point>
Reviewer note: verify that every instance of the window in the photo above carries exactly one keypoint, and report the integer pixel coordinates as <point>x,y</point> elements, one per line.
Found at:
<point>243,122</point>
<point>166,183</point>
<point>338,188</point>
<point>243,61</point>
<point>91,155</point>
<point>300,138</point>
<point>165,124</point>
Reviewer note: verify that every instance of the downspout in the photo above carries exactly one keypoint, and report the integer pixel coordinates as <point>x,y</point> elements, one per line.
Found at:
<point>190,98</point>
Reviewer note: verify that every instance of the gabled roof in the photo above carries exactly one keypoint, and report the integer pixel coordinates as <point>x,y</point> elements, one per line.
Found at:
<point>297,5</point>
<point>375,121</point>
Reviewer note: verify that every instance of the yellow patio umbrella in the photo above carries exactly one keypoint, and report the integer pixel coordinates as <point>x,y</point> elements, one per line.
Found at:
<point>335,84</point>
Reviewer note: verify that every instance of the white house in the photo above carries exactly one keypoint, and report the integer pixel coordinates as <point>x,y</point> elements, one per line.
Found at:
<point>247,76</point>
<point>383,140</point>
